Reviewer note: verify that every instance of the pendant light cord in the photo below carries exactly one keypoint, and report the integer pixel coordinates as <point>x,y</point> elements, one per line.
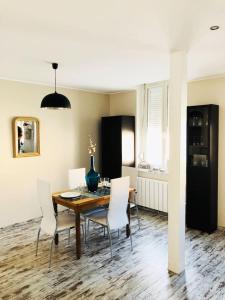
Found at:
<point>55,80</point>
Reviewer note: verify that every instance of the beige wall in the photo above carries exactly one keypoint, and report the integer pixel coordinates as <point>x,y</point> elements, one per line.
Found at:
<point>64,140</point>
<point>212,91</point>
<point>123,103</point>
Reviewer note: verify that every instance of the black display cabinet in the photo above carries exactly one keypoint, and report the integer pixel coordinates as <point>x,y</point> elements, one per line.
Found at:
<point>118,144</point>
<point>202,167</point>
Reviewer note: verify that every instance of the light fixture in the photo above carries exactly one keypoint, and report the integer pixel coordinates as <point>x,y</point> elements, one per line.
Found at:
<point>55,100</point>
<point>215,27</point>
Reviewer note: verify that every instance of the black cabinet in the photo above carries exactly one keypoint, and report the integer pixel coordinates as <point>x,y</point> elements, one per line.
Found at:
<point>118,144</point>
<point>202,167</point>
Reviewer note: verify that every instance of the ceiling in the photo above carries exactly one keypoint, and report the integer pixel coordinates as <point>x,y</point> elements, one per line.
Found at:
<point>109,45</point>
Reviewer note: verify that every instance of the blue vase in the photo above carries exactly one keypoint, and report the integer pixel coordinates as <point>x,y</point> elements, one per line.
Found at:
<point>92,177</point>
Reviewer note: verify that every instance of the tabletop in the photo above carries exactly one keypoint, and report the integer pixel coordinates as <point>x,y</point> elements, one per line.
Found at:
<point>85,201</point>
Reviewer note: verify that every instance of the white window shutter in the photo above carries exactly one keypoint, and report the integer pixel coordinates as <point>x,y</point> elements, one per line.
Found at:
<point>157,124</point>
<point>153,124</point>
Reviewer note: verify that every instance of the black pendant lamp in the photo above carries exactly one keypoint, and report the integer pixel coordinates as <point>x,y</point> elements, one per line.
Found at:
<point>55,100</point>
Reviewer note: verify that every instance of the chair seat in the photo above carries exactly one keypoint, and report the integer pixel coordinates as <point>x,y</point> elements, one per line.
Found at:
<point>100,217</point>
<point>65,221</point>
<point>132,204</point>
<point>94,211</point>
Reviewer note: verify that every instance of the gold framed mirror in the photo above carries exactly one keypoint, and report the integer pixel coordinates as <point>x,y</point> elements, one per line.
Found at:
<point>26,136</point>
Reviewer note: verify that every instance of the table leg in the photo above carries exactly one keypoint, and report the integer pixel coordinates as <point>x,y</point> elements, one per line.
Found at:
<point>56,212</point>
<point>78,244</point>
<point>56,239</point>
<point>128,225</point>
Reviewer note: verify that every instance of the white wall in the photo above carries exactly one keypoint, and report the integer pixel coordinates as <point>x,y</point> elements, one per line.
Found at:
<point>63,137</point>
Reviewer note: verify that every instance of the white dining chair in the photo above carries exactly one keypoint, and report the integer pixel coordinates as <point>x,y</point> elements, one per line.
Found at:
<point>50,223</point>
<point>115,217</point>
<point>76,178</point>
<point>133,173</point>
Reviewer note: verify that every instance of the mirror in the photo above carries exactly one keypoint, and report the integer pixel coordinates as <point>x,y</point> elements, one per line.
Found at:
<point>26,137</point>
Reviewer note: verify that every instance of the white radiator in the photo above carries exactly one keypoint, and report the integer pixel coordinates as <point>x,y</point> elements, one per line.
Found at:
<point>152,193</point>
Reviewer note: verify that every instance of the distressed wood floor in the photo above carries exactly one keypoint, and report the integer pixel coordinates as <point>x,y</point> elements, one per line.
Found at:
<point>141,274</point>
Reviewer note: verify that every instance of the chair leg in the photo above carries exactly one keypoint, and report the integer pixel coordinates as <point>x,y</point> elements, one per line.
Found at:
<point>38,235</point>
<point>131,242</point>
<point>83,232</point>
<point>138,217</point>
<point>88,226</point>
<point>50,254</point>
<point>110,240</point>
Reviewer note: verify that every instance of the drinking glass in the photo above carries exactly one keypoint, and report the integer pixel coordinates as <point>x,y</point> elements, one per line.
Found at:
<point>81,188</point>
<point>106,182</point>
<point>101,180</point>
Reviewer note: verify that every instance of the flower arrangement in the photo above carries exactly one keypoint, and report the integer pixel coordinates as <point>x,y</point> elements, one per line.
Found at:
<point>92,146</point>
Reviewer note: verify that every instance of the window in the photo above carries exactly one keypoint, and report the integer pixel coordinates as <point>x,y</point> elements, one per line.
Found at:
<point>157,131</point>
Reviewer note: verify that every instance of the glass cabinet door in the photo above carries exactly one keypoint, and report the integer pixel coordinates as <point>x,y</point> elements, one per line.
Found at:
<point>198,137</point>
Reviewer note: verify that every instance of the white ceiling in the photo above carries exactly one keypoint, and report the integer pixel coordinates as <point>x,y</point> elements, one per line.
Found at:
<point>109,45</point>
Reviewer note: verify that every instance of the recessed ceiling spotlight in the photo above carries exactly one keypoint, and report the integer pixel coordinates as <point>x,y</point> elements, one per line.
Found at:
<point>215,27</point>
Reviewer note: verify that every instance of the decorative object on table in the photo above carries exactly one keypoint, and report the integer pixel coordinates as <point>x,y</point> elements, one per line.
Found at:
<point>26,136</point>
<point>55,100</point>
<point>92,177</point>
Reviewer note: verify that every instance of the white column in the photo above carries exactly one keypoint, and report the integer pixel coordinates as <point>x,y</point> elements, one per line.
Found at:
<point>177,161</point>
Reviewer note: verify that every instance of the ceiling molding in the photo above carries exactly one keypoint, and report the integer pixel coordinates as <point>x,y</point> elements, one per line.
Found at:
<point>58,86</point>
<point>210,77</point>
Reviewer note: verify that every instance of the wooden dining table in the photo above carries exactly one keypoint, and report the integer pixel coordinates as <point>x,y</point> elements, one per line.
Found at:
<point>87,201</point>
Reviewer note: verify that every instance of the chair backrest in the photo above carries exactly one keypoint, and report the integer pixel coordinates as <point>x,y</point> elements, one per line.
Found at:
<point>117,214</point>
<point>48,222</point>
<point>76,177</point>
<point>132,173</point>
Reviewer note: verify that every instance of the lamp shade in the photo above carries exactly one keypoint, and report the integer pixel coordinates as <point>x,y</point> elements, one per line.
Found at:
<point>55,101</point>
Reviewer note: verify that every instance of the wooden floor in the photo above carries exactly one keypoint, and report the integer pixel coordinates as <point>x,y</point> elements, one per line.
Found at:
<point>141,274</point>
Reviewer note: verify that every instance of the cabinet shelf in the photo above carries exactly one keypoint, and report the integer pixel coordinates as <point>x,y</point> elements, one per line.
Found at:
<point>201,167</point>
<point>198,146</point>
<point>198,126</point>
